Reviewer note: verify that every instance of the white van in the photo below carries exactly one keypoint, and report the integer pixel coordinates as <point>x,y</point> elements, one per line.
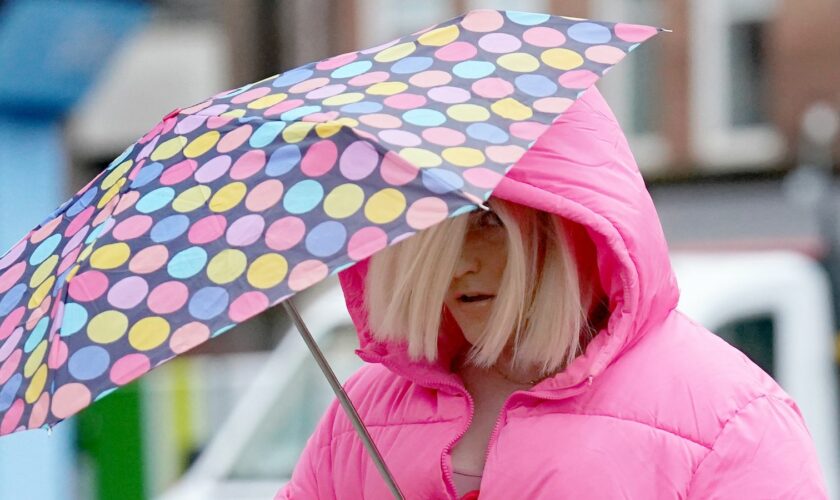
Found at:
<point>774,306</point>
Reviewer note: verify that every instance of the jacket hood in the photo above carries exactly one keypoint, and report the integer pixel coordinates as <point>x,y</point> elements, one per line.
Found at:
<point>581,169</point>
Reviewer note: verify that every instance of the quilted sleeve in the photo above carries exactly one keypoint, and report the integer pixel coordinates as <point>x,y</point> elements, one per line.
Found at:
<point>763,452</point>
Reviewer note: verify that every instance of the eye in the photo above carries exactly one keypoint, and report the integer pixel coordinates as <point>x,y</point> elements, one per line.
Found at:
<point>488,218</point>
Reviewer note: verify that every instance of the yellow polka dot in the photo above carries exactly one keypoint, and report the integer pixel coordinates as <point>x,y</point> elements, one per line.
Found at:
<point>148,333</point>
<point>297,131</point>
<point>267,270</point>
<point>110,256</point>
<point>564,59</point>
<point>468,113</point>
<point>421,158</point>
<point>202,144</point>
<point>439,36</point>
<point>267,101</point>
<point>107,327</point>
<point>226,266</point>
<point>511,109</point>
<point>44,270</point>
<point>519,61</point>
<point>116,174</point>
<point>36,385</point>
<point>344,201</point>
<point>228,197</point>
<point>348,122</point>
<point>85,253</point>
<point>327,129</point>
<point>191,199</point>
<point>463,157</point>
<point>387,88</point>
<point>109,195</point>
<point>41,293</point>
<point>35,359</point>
<point>385,206</point>
<point>234,113</point>
<point>396,52</point>
<point>73,271</point>
<point>342,99</point>
<point>169,148</point>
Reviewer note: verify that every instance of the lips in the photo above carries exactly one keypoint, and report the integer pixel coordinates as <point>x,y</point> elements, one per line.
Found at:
<point>475,297</point>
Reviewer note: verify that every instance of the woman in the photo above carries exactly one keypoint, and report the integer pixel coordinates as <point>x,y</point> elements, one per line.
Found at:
<point>535,351</point>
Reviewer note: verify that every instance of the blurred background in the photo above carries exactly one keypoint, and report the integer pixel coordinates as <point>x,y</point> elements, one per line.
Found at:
<point>732,117</point>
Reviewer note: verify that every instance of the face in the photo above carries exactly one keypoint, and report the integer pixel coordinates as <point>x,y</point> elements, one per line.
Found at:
<point>478,273</point>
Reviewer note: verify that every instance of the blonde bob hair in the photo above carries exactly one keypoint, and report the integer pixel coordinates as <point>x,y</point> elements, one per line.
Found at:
<point>540,311</point>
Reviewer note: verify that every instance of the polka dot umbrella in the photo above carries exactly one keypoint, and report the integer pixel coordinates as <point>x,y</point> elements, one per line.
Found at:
<point>234,204</point>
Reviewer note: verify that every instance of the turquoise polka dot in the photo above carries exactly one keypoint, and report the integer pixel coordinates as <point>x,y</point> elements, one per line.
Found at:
<point>37,335</point>
<point>75,317</point>
<point>527,18</point>
<point>187,263</point>
<point>303,196</point>
<point>282,160</point>
<point>590,33</point>
<point>352,69</point>
<point>424,117</point>
<point>292,77</point>
<point>294,114</point>
<point>45,249</point>
<point>463,210</point>
<point>155,200</point>
<point>266,133</point>
<point>474,69</point>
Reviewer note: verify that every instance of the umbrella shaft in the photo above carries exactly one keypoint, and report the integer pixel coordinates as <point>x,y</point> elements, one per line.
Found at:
<point>361,430</point>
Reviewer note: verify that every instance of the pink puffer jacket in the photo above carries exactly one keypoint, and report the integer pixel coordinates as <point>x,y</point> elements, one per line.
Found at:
<point>657,407</point>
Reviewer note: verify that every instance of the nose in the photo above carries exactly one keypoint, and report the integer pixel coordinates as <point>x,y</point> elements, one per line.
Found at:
<point>467,263</point>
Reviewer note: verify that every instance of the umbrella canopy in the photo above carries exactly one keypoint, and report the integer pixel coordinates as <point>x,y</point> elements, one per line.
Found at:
<point>236,203</point>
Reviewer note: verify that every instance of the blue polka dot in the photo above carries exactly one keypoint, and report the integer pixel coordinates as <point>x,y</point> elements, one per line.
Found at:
<point>104,393</point>
<point>294,114</point>
<point>409,65</point>
<point>473,69</point>
<point>208,302</point>
<point>155,200</point>
<point>37,335</point>
<point>353,69</point>
<point>535,85</point>
<point>83,201</point>
<point>292,77</point>
<point>282,160</point>
<point>11,299</point>
<point>236,92</point>
<point>424,117</point>
<point>590,33</point>
<point>94,235</point>
<point>9,391</point>
<point>121,158</point>
<point>361,107</point>
<point>303,196</point>
<point>221,331</point>
<point>527,18</point>
<point>89,362</point>
<point>44,249</point>
<point>169,228</point>
<point>326,238</point>
<point>487,133</point>
<point>266,133</point>
<point>187,263</point>
<point>440,180</point>
<point>75,317</point>
<point>147,174</point>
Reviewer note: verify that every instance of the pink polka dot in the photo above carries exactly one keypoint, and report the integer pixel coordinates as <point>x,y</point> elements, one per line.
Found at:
<point>307,85</point>
<point>456,51</point>
<point>10,365</point>
<point>634,32</point>
<point>264,195</point>
<point>319,159</point>
<point>250,95</point>
<point>284,233</point>
<point>541,36</point>
<point>208,229</point>
<point>578,79</point>
<point>605,54</point>
<point>358,160</point>
<point>69,399</point>
<point>499,43</point>
<point>381,120</point>
<point>396,171</point>
<point>337,61</point>
<point>245,230</point>
<point>492,87</point>
<point>74,244</point>
<point>327,91</point>
<point>234,139</point>
<point>11,276</point>
<point>483,178</point>
<point>149,259</point>
<point>12,417</point>
<point>8,346</point>
<point>38,414</point>
<point>58,354</point>
<point>189,123</point>
<point>126,369</point>
<point>306,274</point>
<point>198,107</point>
<point>426,212</point>
<point>46,230</point>
<point>366,242</point>
<point>11,321</point>
<point>380,47</point>
<point>366,79</point>
<point>246,305</point>
<point>553,104</point>
<point>213,169</point>
<point>128,292</point>
<point>282,107</point>
<point>13,254</point>
<point>168,297</point>
<point>87,286</point>
<point>179,172</point>
<point>38,313</point>
<point>527,130</point>
<point>321,117</point>
<point>443,136</point>
<point>188,336</point>
<point>483,21</point>
<point>248,164</point>
<point>505,154</point>
<point>105,214</point>
<point>132,227</point>
<point>431,78</point>
<point>215,122</point>
<point>402,138</point>
<point>79,221</point>
<point>126,201</point>
<point>405,101</point>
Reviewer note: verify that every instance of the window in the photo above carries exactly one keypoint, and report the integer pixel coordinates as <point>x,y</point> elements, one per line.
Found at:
<point>754,337</point>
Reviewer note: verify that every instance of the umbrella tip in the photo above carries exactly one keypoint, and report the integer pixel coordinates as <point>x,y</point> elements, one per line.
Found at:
<point>666,30</point>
